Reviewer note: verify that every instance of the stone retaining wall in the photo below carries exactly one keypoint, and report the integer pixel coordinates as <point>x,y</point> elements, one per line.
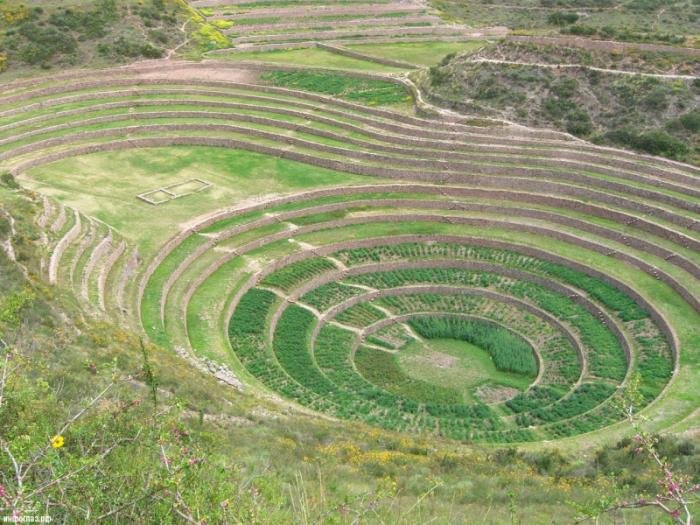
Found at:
<point>61,246</point>
<point>488,180</point>
<point>639,243</point>
<point>344,51</point>
<point>164,67</point>
<point>578,162</point>
<point>529,251</point>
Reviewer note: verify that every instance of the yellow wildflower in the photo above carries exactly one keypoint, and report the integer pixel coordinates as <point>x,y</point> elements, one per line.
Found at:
<point>57,441</point>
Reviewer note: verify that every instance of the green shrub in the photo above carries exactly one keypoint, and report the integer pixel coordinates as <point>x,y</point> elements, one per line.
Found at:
<point>437,75</point>
<point>8,180</point>
<point>447,58</point>
<point>150,51</point>
<point>580,30</point>
<point>562,18</point>
<point>207,38</point>
<point>579,123</point>
<point>134,49</point>
<point>691,121</point>
<point>12,305</point>
<point>158,35</point>
<point>43,44</point>
<point>656,99</point>
<point>89,24</point>
<point>565,87</point>
<point>557,107</point>
<point>655,142</point>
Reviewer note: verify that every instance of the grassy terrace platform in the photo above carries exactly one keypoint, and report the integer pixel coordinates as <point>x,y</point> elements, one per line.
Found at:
<point>383,36</point>
<point>259,26</point>
<point>354,257</point>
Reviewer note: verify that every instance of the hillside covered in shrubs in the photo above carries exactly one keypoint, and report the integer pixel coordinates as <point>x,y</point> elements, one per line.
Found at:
<point>525,84</point>
<point>51,34</point>
<point>674,22</point>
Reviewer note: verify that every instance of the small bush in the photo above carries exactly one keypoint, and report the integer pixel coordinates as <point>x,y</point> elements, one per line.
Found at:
<point>565,87</point>
<point>208,37</point>
<point>580,30</point>
<point>656,142</point>
<point>561,18</point>
<point>44,43</point>
<point>690,121</point>
<point>578,122</point>
<point>447,58</point>
<point>16,14</point>
<point>222,24</point>
<point>557,107</point>
<point>133,49</point>
<point>149,51</point>
<point>656,99</point>
<point>89,24</point>
<point>8,180</point>
<point>158,35</point>
<point>438,76</point>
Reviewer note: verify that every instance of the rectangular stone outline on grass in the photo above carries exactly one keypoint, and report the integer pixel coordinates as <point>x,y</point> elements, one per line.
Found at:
<point>172,195</point>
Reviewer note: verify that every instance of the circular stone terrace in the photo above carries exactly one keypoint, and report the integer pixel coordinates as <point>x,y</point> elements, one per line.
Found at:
<point>482,283</point>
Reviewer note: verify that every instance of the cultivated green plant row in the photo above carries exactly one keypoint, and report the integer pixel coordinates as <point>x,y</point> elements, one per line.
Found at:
<point>328,368</point>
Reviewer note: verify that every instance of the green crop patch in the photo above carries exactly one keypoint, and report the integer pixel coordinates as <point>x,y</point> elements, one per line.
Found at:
<point>294,274</point>
<point>509,352</point>
<point>366,91</point>
<point>457,349</point>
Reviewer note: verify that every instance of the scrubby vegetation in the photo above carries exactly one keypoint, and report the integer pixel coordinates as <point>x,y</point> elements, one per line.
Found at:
<point>632,60</point>
<point>640,20</point>
<point>647,114</point>
<point>105,31</point>
<point>623,34</point>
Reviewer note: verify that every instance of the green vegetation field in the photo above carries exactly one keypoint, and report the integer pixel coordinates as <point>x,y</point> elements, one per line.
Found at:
<point>236,176</point>
<point>473,366</point>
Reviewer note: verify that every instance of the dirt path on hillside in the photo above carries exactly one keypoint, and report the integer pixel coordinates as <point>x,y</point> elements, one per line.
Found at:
<point>581,66</point>
<point>203,73</point>
<point>323,10</point>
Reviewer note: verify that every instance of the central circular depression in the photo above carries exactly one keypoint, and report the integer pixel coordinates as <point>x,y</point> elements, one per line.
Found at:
<point>450,359</point>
